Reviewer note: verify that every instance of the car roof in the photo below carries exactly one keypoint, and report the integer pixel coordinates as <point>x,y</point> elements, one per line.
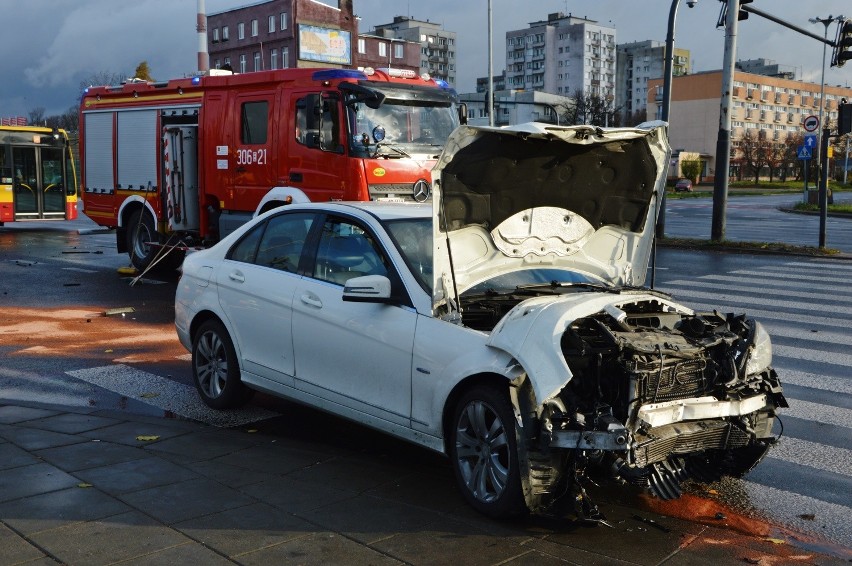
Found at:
<point>383,210</point>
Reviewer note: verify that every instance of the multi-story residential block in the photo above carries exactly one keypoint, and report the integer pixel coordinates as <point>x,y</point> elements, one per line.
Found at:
<point>278,34</point>
<point>639,62</point>
<point>771,107</point>
<point>379,51</point>
<point>515,107</point>
<point>562,55</point>
<point>437,45</point>
<point>766,67</point>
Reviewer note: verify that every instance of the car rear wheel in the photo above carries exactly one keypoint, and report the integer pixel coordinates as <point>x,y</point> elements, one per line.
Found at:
<point>483,451</point>
<point>215,368</point>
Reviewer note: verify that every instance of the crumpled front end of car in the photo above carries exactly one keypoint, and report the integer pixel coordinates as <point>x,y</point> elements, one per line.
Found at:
<point>656,396</point>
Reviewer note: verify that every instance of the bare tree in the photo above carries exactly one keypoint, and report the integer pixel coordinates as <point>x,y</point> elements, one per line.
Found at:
<point>753,151</point>
<point>35,116</point>
<point>102,78</point>
<point>637,117</point>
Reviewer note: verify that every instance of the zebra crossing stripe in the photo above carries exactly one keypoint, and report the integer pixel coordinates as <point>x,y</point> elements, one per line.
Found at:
<point>819,456</point>
<point>798,275</point>
<point>817,412</point>
<point>824,382</point>
<point>177,398</point>
<point>721,297</point>
<point>749,280</point>
<point>759,314</point>
<point>800,293</point>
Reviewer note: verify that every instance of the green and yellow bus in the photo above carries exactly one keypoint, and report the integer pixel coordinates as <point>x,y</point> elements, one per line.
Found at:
<point>37,176</point>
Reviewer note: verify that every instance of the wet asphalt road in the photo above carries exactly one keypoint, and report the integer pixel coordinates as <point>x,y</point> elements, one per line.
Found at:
<point>53,268</point>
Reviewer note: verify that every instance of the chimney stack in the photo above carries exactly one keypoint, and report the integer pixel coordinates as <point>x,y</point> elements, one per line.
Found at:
<point>201,27</point>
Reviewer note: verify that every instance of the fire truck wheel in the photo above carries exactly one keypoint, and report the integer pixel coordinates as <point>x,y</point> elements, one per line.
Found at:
<point>215,368</point>
<point>141,231</point>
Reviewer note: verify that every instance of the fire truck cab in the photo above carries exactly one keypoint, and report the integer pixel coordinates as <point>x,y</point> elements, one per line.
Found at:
<point>189,160</point>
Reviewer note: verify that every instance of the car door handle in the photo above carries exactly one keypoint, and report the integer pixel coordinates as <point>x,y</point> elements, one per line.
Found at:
<point>237,276</point>
<point>296,178</point>
<point>312,300</point>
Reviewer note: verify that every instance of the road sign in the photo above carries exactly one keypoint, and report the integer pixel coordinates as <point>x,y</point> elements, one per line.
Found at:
<point>811,123</point>
<point>810,141</point>
<point>803,153</point>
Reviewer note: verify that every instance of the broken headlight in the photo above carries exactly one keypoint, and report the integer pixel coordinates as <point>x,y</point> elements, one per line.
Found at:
<point>760,357</point>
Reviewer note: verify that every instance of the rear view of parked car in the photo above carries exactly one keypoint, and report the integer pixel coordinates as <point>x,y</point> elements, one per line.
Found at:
<point>683,185</point>
<point>504,325</point>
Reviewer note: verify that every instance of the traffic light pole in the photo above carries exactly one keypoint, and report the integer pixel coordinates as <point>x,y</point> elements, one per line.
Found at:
<point>723,141</point>
<point>823,186</point>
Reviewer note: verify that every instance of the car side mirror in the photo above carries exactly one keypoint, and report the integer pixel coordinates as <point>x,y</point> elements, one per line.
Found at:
<point>368,289</point>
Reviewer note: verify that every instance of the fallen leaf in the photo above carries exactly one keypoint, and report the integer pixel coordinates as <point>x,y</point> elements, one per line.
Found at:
<point>107,351</point>
<point>251,430</point>
<point>712,492</point>
<point>149,395</point>
<point>147,438</point>
<point>807,516</point>
<point>83,484</point>
<point>776,540</point>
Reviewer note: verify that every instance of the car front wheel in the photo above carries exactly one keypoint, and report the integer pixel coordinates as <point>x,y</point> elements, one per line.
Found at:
<point>483,451</point>
<point>215,368</point>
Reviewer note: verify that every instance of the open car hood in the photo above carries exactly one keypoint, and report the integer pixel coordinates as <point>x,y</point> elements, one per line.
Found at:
<point>580,198</point>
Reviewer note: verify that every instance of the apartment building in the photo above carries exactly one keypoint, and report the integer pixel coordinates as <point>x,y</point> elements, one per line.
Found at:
<point>279,34</point>
<point>562,55</point>
<point>437,45</point>
<point>637,63</point>
<point>773,107</point>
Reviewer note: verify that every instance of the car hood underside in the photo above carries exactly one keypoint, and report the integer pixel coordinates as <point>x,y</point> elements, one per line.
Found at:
<point>578,198</point>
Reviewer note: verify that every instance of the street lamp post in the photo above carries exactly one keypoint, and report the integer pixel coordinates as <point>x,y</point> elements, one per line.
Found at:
<point>825,22</point>
<point>667,94</point>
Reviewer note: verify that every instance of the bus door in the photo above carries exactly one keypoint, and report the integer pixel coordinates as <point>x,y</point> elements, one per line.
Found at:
<point>38,182</point>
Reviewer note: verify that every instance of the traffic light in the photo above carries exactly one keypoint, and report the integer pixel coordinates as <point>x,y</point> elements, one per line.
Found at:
<point>844,118</point>
<point>843,44</point>
<point>742,14</point>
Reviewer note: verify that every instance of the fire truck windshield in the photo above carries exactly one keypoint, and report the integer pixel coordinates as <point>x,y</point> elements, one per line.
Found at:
<point>400,128</point>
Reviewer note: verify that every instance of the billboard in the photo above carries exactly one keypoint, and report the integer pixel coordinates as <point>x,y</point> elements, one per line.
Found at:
<point>325,45</point>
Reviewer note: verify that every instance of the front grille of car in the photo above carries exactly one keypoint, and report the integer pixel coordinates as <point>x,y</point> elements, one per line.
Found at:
<point>669,379</point>
<point>659,443</point>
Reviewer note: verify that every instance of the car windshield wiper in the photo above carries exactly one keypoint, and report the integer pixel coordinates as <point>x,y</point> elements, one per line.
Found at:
<point>553,285</point>
<point>399,152</point>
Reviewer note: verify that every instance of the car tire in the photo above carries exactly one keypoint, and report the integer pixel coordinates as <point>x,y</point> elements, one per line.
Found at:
<point>483,450</point>
<point>215,368</point>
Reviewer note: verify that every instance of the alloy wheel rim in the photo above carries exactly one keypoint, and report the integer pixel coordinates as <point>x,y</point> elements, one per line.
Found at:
<point>482,451</point>
<point>211,364</point>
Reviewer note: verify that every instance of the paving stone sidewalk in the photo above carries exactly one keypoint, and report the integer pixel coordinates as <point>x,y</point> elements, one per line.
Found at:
<point>93,487</point>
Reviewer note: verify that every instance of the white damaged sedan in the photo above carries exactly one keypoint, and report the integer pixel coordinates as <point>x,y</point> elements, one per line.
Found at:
<point>504,325</point>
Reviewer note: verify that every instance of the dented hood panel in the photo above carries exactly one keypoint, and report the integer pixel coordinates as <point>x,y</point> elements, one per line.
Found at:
<point>579,198</point>
<point>531,333</point>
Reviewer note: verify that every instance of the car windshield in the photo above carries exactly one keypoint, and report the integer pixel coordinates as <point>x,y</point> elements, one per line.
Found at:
<point>400,127</point>
<point>413,238</point>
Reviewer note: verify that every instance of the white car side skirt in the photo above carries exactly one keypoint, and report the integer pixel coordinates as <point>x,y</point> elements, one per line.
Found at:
<point>668,412</point>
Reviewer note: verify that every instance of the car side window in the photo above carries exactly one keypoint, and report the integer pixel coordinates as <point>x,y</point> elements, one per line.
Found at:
<point>276,243</point>
<point>345,251</point>
<point>283,241</point>
<point>244,250</point>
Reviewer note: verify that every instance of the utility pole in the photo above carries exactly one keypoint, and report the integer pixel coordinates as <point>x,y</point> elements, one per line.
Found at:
<point>723,141</point>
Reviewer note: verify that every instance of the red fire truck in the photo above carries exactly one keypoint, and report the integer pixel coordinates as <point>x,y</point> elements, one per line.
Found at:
<point>189,160</point>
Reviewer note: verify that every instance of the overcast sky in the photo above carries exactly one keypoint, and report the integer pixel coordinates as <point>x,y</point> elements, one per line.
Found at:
<point>52,45</point>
